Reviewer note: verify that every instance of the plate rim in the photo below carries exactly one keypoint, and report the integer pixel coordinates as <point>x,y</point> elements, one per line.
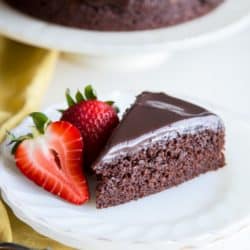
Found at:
<point>200,241</point>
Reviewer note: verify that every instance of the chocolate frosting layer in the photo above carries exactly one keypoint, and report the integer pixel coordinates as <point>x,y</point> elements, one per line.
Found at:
<point>153,112</point>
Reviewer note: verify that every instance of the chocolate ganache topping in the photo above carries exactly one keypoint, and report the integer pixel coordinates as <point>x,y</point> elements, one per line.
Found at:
<point>154,112</point>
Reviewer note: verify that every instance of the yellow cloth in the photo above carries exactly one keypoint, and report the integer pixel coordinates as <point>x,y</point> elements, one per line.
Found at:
<point>24,75</point>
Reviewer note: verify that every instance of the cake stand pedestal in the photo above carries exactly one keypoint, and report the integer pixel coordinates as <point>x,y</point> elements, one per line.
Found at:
<point>135,62</point>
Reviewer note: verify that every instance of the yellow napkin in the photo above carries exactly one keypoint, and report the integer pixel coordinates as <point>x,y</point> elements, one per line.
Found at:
<point>25,72</point>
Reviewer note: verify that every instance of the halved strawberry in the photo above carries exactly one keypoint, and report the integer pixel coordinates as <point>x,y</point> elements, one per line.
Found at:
<point>52,158</point>
<point>94,118</point>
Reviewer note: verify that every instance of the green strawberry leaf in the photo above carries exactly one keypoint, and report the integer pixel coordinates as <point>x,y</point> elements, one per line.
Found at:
<point>117,110</point>
<point>89,92</point>
<point>69,99</point>
<point>79,96</point>
<point>16,141</point>
<point>40,120</point>
<point>110,103</point>
<point>61,110</point>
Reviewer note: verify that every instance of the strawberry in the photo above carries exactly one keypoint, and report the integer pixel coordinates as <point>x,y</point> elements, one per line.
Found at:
<point>94,118</point>
<point>51,157</point>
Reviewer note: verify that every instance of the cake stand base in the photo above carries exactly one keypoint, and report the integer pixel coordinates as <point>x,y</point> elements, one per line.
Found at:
<point>129,62</point>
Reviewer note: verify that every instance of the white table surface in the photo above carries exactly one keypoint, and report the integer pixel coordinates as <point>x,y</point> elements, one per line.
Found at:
<point>219,73</point>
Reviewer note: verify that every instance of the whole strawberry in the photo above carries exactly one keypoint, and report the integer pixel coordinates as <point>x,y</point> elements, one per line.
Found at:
<point>51,157</point>
<point>94,118</point>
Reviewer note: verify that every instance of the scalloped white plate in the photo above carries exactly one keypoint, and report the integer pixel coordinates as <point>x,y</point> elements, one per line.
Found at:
<point>225,20</point>
<point>211,207</point>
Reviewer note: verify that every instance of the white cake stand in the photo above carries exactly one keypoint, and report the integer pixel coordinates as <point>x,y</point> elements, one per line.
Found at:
<point>131,50</point>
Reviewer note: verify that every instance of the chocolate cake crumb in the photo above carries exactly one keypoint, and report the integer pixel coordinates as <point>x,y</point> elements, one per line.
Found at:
<point>161,166</point>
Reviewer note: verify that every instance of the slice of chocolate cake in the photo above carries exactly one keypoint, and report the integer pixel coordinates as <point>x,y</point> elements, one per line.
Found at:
<point>161,142</point>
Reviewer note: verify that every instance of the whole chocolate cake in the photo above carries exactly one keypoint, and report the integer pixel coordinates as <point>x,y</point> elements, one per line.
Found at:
<point>116,14</point>
<point>161,142</point>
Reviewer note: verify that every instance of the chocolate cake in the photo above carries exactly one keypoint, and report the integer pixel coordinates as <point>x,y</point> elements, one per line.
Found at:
<point>116,14</point>
<point>161,142</point>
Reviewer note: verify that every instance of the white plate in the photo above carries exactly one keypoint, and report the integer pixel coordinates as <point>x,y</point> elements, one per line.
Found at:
<point>226,19</point>
<point>211,207</point>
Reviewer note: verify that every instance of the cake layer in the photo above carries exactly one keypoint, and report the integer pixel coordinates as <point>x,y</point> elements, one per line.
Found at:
<point>162,165</point>
<point>116,15</point>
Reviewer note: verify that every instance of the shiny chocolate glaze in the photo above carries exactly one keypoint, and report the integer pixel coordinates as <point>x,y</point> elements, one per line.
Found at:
<point>157,115</point>
<point>152,111</point>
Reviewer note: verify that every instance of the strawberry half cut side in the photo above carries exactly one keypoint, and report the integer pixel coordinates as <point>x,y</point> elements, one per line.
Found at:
<point>52,158</point>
